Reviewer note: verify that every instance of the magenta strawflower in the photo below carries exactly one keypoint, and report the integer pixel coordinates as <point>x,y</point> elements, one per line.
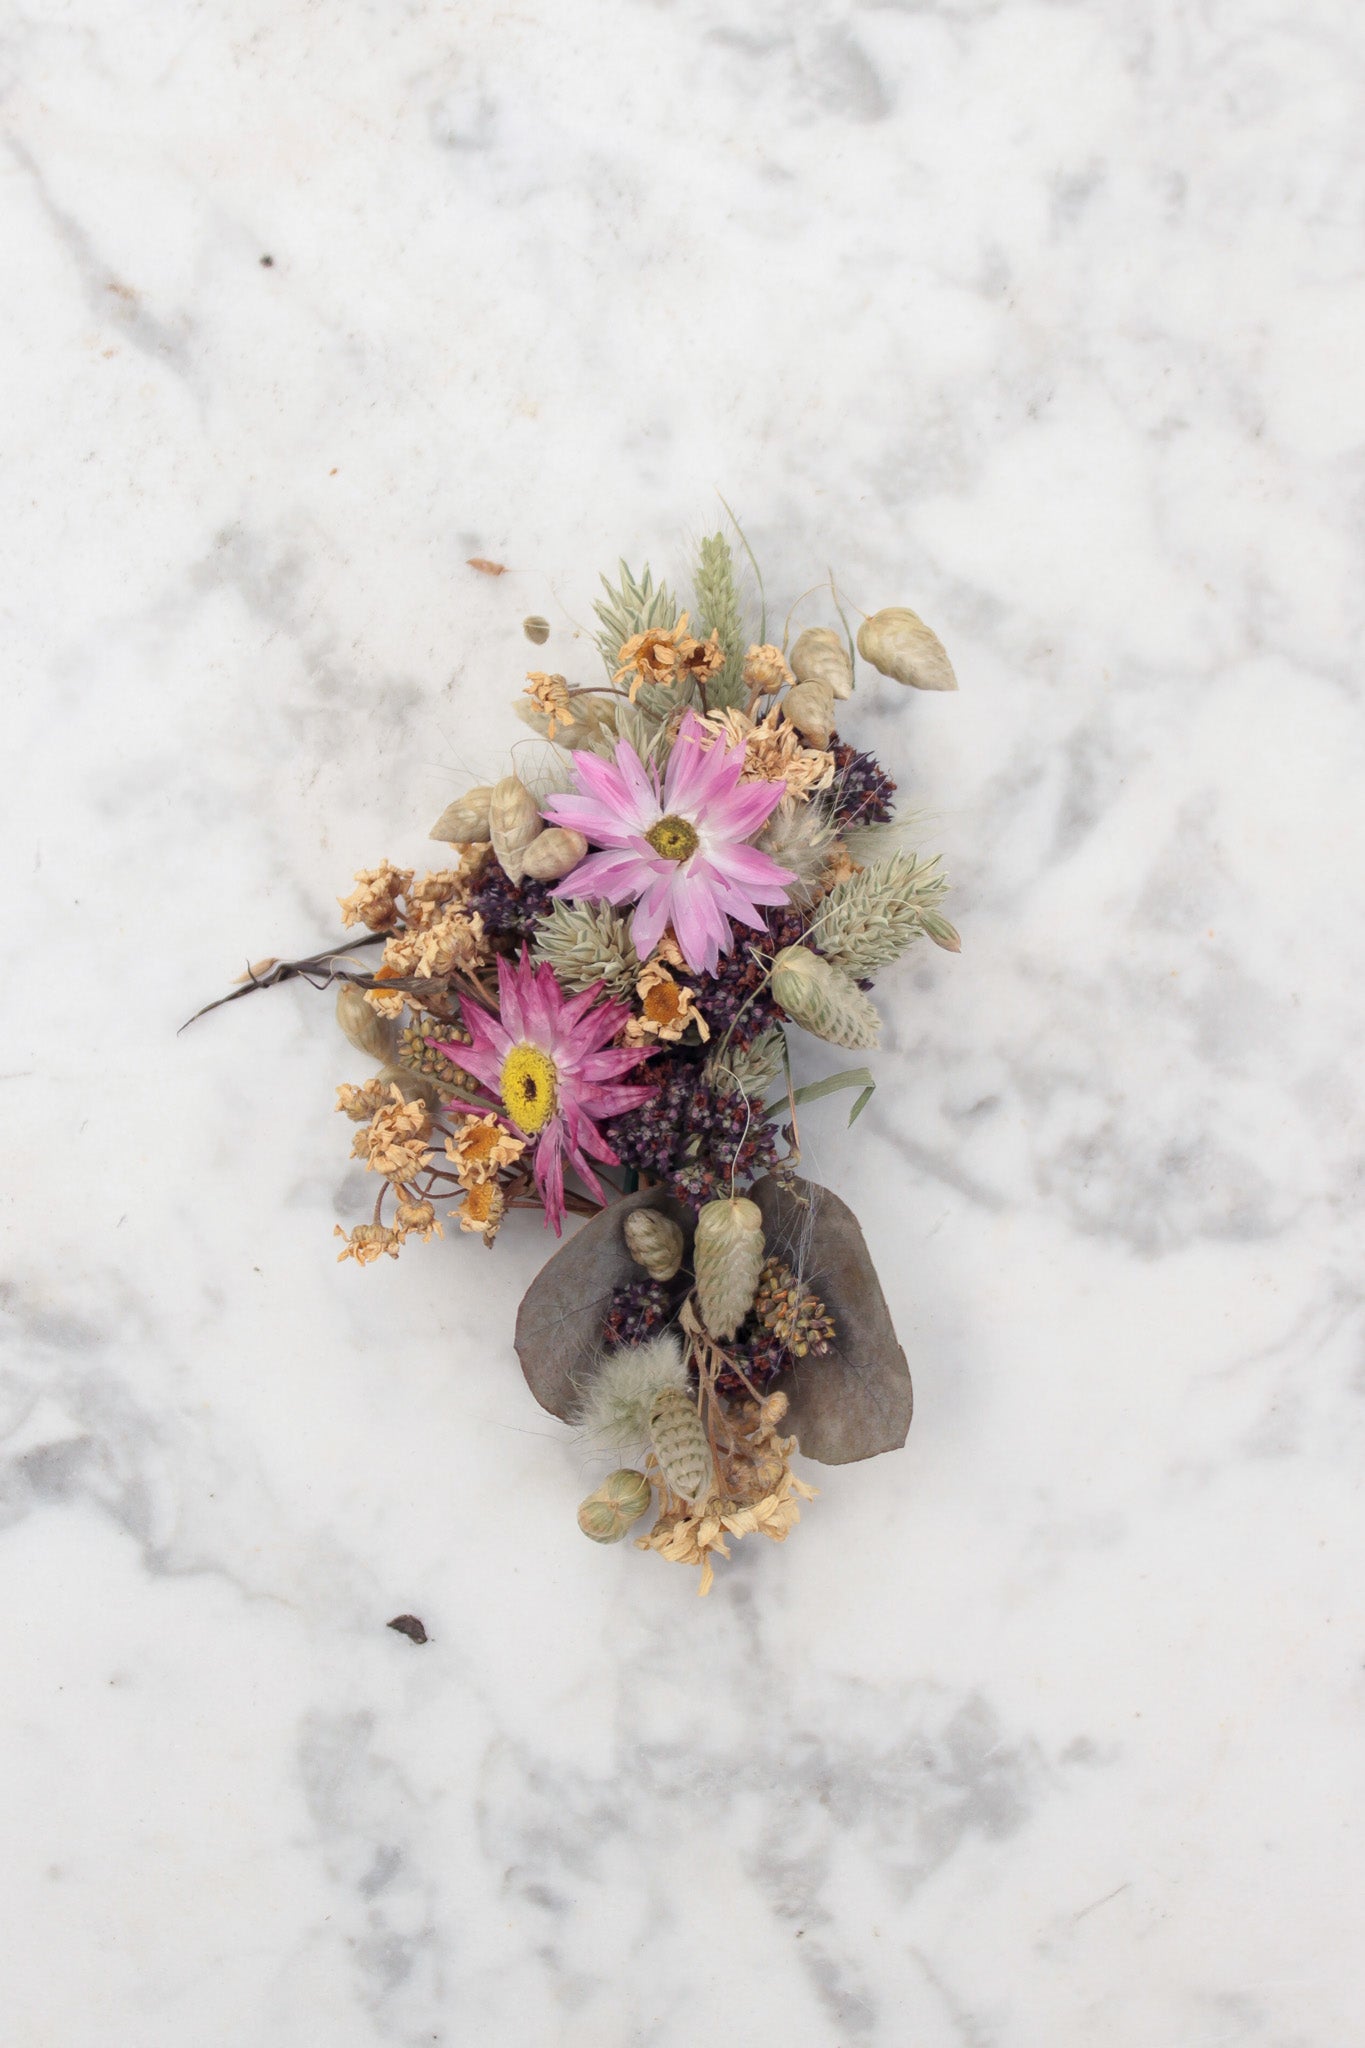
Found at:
<point>543,1054</point>
<point>679,850</point>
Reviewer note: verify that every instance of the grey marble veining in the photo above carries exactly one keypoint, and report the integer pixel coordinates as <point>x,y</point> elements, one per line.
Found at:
<point>1045,319</point>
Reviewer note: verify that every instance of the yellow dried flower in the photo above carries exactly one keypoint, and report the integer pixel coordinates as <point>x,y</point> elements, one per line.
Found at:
<point>385,1003</point>
<point>766,671</point>
<point>394,1141</point>
<point>418,1219</point>
<point>482,1210</point>
<point>550,694</point>
<point>702,658</point>
<point>664,653</point>
<point>481,1148</point>
<point>367,1242</point>
<point>374,901</point>
<point>667,1008</point>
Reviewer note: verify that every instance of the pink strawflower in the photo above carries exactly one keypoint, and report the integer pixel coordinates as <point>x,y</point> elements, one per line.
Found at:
<point>679,851</point>
<point>543,1054</point>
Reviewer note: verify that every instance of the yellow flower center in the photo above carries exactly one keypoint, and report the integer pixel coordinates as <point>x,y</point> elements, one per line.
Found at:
<point>664,1003</point>
<point>480,1203</point>
<point>530,1088</point>
<point>673,837</point>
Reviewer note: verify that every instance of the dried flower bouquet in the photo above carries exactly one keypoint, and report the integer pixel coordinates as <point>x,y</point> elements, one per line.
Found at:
<point>586,1011</point>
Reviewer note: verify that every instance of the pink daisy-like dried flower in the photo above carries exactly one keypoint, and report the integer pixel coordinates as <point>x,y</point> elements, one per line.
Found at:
<point>679,850</point>
<point>543,1054</point>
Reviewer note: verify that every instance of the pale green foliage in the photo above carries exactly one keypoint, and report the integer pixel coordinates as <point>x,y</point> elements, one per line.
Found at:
<point>718,611</point>
<point>823,1000</point>
<point>631,606</point>
<point>585,943</point>
<point>869,920</point>
<point>614,1408</point>
<point>751,1069</point>
<point>645,733</point>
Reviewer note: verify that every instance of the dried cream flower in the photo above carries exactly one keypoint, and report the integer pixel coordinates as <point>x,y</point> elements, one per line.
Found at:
<point>418,1219</point>
<point>367,1242</point>
<point>437,887</point>
<point>766,671</point>
<point>759,1497</point>
<point>550,694</point>
<point>394,1142</point>
<point>360,1104</point>
<point>385,1003</point>
<point>374,901</point>
<point>481,1148</point>
<point>432,947</point>
<point>774,751</point>
<point>482,1210</point>
<point>840,867</point>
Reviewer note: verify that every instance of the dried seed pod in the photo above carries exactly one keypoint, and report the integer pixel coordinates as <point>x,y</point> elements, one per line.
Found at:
<point>655,1242</point>
<point>898,643</point>
<point>823,1000</point>
<point>367,1030</point>
<point>536,629</point>
<point>465,822</point>
<point>618,1502</point>
<point>810,707</point>
<point>553,853</point>
<point>820,656</point>
<point>679,1440</point>
<point>728,1256</point>
<point>513,822</point>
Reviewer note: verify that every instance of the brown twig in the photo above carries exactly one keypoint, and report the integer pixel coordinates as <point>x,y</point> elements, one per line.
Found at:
<point>292,970</point>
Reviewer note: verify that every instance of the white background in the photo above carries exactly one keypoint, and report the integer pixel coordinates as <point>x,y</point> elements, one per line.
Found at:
<point>1042,318</point>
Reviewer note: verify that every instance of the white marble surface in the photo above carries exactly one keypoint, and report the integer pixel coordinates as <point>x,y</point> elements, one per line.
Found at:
<point>1044,318</point>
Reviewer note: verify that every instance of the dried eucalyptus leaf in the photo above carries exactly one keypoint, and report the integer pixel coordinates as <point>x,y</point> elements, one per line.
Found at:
<point>856,1400</point>
<point>852,1403</point>
<point>559,1323</point>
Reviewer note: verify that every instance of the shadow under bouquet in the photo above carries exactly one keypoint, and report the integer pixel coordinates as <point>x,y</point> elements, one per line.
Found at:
<point>586,1012</point>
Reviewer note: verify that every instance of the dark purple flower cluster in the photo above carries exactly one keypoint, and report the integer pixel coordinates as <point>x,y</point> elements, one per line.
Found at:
<point>762,1357</point>
<point>694,1137</point>
<point>508,909</point>
<point>862,788</point>
<point>638,1309</point>
<point>733,991</point>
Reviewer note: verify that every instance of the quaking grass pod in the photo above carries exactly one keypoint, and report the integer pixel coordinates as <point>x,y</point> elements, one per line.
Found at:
<point>615,1506</point>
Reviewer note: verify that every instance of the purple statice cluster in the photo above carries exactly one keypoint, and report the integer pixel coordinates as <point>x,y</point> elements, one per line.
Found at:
<point>509,909</point>
<point>697,1139</point>
<point>862,788</point>
<point>734,998</point>
<point>639,1310</point>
